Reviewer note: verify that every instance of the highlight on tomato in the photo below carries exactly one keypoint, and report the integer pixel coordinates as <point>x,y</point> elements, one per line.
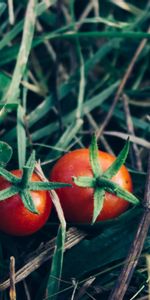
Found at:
<point>101,185</point>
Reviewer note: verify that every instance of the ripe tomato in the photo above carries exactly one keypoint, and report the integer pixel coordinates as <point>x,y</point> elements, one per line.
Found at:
<point>77,202</point>
<point>15,219</point>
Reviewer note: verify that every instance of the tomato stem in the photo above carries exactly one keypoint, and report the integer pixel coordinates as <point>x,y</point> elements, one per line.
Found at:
<point>25,177</point>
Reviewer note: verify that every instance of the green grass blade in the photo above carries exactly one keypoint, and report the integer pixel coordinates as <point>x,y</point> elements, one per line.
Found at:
<point>81,67</point>
<point>56,267</point>
<point>43,6</point>
<point>81,83</point>
<point>24,51</point>
<point>21,137</point>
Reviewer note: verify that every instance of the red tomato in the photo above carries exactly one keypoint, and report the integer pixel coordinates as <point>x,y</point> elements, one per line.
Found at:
<point>77,202</point>
<point>15,219</point>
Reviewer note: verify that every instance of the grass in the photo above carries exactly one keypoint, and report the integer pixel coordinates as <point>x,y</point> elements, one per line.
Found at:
<point>62,65</point>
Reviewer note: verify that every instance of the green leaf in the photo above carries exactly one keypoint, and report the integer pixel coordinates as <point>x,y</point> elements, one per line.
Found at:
<point>9,176</point>
<point>7,193</point>
<point>125,195</point>
<point>39,185</point>
<point>56,267</point>
<point>99,196</point>
<point>120,160</point>
<point>21,136</point>
<point>28,201</point>
<point>84,181</point>
<point>5,153</point>
<point>94,159</point>
<point>114,188</point>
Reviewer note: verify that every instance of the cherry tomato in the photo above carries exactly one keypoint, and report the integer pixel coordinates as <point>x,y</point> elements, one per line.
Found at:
<point>77,202</point>
<point>15,219</point>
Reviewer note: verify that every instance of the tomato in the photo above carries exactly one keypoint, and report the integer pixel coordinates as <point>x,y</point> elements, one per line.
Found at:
<point>77,202</point>
<point>15,219</point>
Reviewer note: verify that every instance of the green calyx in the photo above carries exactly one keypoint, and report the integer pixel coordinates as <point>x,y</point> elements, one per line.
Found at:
<point>101,182</point>
<point>24,185</point>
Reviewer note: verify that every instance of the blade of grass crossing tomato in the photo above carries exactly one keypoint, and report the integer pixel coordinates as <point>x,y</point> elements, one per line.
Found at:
<point>94,160</point>
<point>5,153</point>
<point>28,201</point>
<point>6,193</point>
<point>56,267</point>
<point>120,160</point>
<point>99,196</point>
<point>21,137</point>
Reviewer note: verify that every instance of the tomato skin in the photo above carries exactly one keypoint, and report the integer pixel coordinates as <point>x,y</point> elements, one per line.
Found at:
<point>77,202</point>
<point>15,219</point>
